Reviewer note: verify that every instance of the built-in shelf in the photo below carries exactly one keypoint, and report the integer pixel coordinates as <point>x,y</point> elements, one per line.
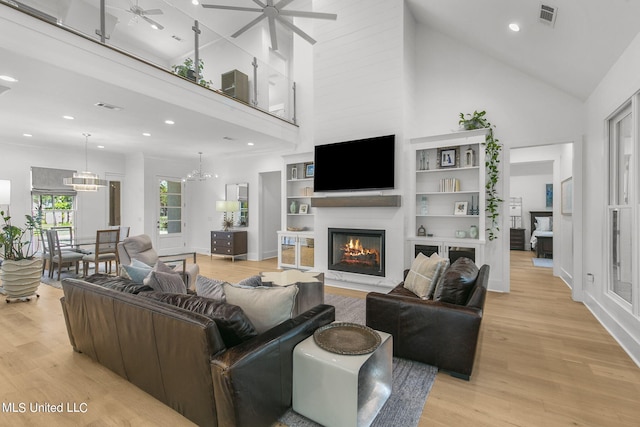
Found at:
<point>357,201</point>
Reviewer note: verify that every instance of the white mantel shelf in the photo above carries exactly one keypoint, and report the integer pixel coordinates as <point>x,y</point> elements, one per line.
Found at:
<point>357,201</point>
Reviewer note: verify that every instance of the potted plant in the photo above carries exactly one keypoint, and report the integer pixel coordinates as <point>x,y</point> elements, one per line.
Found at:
<point>188,71</point>
<point>492,149</point>
<point>21,270</point>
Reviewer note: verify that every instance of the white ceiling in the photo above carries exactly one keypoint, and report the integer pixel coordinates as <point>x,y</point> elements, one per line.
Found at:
<point>588,37</point>
<point>573,56</point>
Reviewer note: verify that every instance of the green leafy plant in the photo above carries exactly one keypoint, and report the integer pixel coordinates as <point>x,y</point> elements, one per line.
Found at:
<point>492,148</point>
<point>188,71</point>
<point>17,243</point>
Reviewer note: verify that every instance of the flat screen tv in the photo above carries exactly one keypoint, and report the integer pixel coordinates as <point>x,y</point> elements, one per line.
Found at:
<point>364,164</point>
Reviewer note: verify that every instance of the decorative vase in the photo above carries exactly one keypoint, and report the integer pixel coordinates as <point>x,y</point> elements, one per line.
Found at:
<point>473,232</point>
<point>294,207</point>
<point>21,279</point>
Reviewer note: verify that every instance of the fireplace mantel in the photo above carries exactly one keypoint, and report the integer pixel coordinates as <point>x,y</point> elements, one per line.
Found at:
<point>357,201</point>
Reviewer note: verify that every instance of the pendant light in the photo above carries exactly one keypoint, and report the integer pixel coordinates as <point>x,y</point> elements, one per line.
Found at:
<point>197,174</point>
<point>85,181</point>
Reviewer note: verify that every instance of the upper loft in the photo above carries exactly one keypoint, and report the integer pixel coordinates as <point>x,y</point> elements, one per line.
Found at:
<point>235,97</point>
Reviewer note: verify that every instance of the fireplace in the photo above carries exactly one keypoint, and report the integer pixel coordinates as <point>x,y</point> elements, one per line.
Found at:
<point>356,251</point>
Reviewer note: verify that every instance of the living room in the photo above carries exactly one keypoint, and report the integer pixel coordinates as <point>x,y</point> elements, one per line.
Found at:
<point>417,82</point>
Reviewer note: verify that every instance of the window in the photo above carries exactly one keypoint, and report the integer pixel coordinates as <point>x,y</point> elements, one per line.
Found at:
<point>56,210</point>
<point>170,207</point>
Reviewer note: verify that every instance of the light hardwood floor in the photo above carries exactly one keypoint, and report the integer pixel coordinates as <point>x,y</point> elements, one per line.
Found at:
<point>543,360</point>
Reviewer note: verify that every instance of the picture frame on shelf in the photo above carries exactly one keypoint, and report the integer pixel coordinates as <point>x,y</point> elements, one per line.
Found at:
<point>460,208</point>
<point>309,170</point>
<point>304,208</point>
<point>448,157</point>
<point>294,172</point>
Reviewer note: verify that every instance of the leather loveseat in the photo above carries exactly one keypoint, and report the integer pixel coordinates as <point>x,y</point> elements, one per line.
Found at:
<point>437,333</point>
<point>179,356</point>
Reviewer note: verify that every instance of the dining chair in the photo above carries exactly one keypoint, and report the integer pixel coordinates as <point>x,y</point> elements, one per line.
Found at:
<point>59,257</point>
<point>106,251</point>
<point>65,236</point>
<point>124,231</point>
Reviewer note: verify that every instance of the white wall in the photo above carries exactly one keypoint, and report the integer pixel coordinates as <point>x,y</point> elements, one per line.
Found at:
<point>453,78</point>
<point>619,85</point>
<point>92,208</point>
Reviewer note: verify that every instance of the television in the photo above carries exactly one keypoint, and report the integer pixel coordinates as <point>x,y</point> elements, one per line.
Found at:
<point>363,164</point>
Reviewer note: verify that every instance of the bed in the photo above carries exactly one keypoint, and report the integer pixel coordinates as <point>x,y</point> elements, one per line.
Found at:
<point>542,233</point>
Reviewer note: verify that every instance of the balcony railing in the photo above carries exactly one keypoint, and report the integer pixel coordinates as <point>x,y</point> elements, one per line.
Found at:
<point>161,34</point>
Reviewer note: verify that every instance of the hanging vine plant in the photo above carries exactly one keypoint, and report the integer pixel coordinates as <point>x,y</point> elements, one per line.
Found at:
<point>492,149</point>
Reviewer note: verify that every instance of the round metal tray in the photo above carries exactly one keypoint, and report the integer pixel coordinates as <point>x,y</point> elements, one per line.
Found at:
<point>347,338</point>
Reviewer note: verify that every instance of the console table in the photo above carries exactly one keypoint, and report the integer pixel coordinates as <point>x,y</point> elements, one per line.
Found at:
<point>231,243</point>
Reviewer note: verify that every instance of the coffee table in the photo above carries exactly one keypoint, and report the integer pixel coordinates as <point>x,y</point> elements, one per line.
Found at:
<point>341,390</point>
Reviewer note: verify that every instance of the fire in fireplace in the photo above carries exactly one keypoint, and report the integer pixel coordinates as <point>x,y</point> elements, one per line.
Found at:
<point>356,251</point>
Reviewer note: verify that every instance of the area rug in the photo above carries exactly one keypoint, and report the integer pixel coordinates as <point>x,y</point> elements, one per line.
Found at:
<point>543,262</point>
<point>411,384</point>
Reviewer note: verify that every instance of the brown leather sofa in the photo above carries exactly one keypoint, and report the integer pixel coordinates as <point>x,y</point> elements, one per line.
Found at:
<point>179,357</point>
<point>433,332</point>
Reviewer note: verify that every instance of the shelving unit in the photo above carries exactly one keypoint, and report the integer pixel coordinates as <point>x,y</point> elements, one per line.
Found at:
<point>296,240</point>
<point>449,202</point>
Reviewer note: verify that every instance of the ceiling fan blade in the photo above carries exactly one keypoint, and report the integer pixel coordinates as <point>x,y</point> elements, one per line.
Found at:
<point>153,23</point>
<point>152,12</point>
<point>282,3</point>
<point>259,3</point>
<point>270,3</point>
<point>249,25</point>
<point>296,30</point>
<point>302,14</point>
<point>243,9</point>
<point>272,33</point>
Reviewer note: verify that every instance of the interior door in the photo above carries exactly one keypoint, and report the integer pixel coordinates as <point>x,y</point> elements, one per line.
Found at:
<point>170,225</point>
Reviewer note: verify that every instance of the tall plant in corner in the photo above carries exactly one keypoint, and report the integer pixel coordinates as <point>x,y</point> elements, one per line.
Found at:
<point>492,148</point>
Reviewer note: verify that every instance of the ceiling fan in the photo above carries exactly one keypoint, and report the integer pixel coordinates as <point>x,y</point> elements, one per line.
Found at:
<point>139,12</point>
<point>274,12</point>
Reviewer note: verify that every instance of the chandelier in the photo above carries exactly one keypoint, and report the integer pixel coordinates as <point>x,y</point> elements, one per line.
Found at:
<point>85,180</point>
<point>197,174</point>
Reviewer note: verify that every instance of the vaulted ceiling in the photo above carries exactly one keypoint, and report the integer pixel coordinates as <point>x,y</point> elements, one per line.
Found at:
<point>572,55</point>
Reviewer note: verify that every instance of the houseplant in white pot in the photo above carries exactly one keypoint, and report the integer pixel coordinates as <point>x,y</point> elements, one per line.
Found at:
<point>21,269</point>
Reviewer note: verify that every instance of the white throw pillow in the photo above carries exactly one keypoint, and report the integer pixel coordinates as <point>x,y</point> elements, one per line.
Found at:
<point>265,307</point>
<point>424,274</point>
<point>543,223</point>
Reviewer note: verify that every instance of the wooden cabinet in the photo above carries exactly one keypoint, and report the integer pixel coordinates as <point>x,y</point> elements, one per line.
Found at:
<point>231,243</point>
<point>236,84</point>
<point>448,202</point>
<point>517,239</point>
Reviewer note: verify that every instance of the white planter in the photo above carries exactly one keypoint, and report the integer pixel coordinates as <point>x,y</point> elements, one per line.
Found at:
<point>21,278</point>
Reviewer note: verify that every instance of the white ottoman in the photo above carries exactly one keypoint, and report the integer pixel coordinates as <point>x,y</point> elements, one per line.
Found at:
<point>341,390</point>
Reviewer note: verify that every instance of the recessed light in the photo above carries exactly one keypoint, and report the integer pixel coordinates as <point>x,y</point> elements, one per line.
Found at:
<point>514,27</point>
<point>28,135</point>
<point>8,79</point>
<point>250,144</point>
<point>68,117</point>
<point>195,2</point>
<point>100,146</point>
<point>170,122</point>
<point>146,134</point>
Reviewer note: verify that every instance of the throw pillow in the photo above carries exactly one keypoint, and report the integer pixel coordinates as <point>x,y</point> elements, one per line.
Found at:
<point>210,288</point>
<point>543,223</point>
<point>457,282</point>
<point>137,271</point>
<point>252,282</point>
<point>165,282</point>
<point>265,307</point>
<point>423,273</point>
<point>233,324</point>
<point>163,268</point>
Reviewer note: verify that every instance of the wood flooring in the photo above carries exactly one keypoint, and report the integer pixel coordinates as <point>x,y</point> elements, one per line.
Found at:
<point>543,360</point>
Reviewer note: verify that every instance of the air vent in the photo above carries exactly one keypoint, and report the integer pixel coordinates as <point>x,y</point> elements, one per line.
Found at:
<point>108,106</point>
<point>548,14</point>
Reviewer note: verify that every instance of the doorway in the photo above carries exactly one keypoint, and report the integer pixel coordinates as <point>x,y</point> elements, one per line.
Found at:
<point>270,196</point>
<point>169,224</point>
<point>537,176</point>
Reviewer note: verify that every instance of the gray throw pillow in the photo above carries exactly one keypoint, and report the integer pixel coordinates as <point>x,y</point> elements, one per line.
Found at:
<point>210,288</point>
<point>252,282</point>
<point>165,282</point>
